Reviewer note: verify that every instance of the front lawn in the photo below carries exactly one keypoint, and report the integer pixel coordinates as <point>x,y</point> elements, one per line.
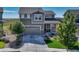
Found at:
<point>54,44</point>
<point>2,44</point>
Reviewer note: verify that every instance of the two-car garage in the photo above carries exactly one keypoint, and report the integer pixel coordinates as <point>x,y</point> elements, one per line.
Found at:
<point>33,30</point>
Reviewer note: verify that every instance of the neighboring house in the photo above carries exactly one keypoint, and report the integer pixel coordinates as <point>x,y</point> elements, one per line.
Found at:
<point>38,21</point>
<point>76,14</point>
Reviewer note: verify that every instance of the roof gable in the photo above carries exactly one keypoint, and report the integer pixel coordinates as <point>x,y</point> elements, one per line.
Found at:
<point>30,10</point>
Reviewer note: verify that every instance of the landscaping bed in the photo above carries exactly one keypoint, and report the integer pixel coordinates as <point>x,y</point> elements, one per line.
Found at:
<point>54,44</point>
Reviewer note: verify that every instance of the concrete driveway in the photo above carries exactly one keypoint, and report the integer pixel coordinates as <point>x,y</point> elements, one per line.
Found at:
<point>34,43</point>
<point>34,39</point>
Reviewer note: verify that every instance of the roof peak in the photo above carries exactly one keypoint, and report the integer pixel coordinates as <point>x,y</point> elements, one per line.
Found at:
<point>34,9</point>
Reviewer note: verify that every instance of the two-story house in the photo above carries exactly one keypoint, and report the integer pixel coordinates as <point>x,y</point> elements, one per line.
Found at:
<point>37,21</point>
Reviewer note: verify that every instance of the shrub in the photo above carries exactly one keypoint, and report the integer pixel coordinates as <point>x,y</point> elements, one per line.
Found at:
<point>76,46</point>
<point>2,44</point>
<point>17,28</point>
<point>1,40</point>
<point>4,40</point>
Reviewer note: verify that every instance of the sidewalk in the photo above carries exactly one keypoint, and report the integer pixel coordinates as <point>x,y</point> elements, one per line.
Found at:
<point>33,48</point>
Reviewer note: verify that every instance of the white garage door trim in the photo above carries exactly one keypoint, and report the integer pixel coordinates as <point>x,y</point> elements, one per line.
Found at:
<point>33,30</point>
<point>33,26</point>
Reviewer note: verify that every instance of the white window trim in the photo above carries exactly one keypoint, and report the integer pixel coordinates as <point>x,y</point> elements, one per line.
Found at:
<point>37,19</point>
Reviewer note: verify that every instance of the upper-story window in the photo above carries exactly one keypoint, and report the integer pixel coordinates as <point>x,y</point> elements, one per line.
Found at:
<point>22,15</point>
<point>25,15</point>
<point>77,16</point>
<point>38,17</point>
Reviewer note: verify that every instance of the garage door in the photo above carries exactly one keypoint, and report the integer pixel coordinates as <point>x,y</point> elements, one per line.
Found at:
<point>33,30</point>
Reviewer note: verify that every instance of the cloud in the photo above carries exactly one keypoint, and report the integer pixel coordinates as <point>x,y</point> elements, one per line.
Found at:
<point>9,11</point>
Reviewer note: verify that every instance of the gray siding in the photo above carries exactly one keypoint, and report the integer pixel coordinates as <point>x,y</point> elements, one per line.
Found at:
<point>26,21</point>
<point>0,16</point>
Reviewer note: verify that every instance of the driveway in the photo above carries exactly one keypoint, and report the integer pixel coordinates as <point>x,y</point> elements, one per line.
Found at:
<point>34,43</point>
<point>34,39</point>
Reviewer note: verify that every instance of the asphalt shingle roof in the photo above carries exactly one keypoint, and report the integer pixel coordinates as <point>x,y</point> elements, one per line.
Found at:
<point>30,10</point>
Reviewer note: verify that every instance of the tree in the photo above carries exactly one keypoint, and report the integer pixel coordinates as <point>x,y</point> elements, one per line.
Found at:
<point>66,30</point>
<point>18,29</point>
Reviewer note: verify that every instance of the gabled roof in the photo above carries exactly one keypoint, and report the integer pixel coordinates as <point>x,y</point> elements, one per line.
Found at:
<point>38,12</point>
<point>29,10</point>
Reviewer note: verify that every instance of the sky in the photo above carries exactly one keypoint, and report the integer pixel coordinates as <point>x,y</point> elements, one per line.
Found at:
<point>12,12</point>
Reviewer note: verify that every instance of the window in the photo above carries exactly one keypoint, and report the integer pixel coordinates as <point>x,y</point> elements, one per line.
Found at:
<point>25,15</point>
<point>37,17</point>
<point>28,16</point>
<point>40,18</point>
<point>47,27</point>
<point>22,16</point>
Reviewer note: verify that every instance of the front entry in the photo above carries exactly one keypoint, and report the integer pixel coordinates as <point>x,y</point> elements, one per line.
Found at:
<point>47,28</point>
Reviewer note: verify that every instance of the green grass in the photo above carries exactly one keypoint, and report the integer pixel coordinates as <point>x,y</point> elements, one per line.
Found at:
<point>2,44</point>
<point>77,44</point>
<point>54,44</point>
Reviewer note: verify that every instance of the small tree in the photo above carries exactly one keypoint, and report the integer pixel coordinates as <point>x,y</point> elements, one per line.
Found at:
<point>66,30</point>
<point>18,29</point>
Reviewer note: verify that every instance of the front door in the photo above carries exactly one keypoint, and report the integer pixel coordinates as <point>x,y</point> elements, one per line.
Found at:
<point>47,28</point>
